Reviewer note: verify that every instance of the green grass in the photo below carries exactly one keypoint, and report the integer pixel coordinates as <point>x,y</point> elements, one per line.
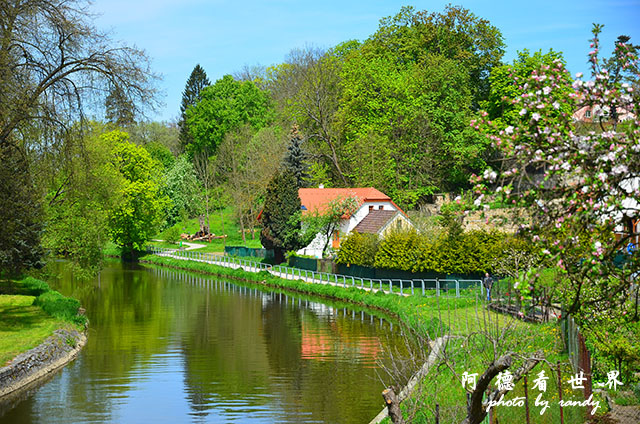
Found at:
<point>23,326</point>
<point>231,229</point>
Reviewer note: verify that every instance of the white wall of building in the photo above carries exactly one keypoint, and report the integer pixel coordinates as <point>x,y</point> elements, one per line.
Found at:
<point>346,226</point>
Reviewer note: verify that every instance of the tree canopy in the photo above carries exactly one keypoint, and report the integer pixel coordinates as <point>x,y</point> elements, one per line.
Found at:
<point>225,106</point>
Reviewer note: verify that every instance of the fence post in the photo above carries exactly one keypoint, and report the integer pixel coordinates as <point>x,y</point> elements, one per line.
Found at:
<point>390,286</point>
<point>422,287</point>
<point>457,288</point>
<point>411,287</point>
<point>401,288</point>
<point>437,287</point>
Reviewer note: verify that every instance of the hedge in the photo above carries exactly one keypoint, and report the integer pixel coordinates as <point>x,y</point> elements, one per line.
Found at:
<point>468,253</point>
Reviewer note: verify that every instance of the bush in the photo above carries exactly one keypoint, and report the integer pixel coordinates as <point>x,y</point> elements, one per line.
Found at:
<point>358,249</point>
<point>172,235</point>
<point>399,250</point>
<point>59,306</point>
<point>450,253</point>
<point>32,287</point>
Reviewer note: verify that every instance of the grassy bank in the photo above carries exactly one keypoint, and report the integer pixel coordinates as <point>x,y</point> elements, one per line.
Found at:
<point>433,317</point>
<point>231,229</point>
<point>30,312</point>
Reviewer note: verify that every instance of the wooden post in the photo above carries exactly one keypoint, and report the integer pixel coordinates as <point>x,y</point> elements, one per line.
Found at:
<point>393,405</point>
<point>560,393</point>
<point>437,413</point>
<point>526,399</point>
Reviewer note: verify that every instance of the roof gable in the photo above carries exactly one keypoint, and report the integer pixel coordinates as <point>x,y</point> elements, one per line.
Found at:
<point>375,221</point>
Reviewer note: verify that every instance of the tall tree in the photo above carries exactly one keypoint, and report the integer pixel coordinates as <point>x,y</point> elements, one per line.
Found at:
<point>20,214</point>
<point>52,58</point>
<point>580,191</point>
<point>456,34</point>
<point>141,210</point>
<point>280,216</point>
<point>295,160</point>
<point>307,88</point>
<point>190,96</point>
<point>226,106</point>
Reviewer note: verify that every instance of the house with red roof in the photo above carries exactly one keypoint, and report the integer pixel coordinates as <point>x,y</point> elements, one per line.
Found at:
<point>376,214</point>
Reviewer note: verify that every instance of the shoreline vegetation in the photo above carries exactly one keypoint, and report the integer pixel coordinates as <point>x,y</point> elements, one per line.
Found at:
<point>40,331</point>
<point>429,318</point>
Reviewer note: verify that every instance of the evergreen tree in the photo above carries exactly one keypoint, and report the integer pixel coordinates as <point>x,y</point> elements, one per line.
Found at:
<point>295,159</point>
<point>190,96</point>
<point>20,214</point>
<point>280,224</point>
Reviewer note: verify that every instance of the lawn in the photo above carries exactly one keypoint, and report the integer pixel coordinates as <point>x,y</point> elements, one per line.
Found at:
<point>231,229</point>
<point>23,326</point>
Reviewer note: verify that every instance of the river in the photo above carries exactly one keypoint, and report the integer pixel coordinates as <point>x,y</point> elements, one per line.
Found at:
<point>174,347</point>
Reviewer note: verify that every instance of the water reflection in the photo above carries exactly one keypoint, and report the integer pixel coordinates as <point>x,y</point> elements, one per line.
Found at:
<point>171,346</point>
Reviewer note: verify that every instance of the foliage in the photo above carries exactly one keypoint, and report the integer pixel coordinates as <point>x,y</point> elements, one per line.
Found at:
<point>225,106</point>
<point>244,167</point>
<point>60,306</point>
<point>326,221</point>
<point>399,250</point>
<point>182,189</point>
<point>279,231</point>
<point>358,249</point>
<point>160,153</point>
<point>456,34</point>
<point>507,83</point>
<point>172,235</point>
<point>78,199</point>
<point>472,252</point>
<point>295,159</point>
<point>141,207</point>
<point>21,214</point>
<point>190,97</point>
<point>577,187</point>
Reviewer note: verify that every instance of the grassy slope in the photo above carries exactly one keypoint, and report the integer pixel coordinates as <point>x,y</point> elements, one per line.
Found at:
<point>231,229</point>
<point>23,326</point>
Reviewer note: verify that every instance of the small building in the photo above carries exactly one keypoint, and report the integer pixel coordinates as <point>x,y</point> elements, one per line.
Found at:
<point>376,214</point>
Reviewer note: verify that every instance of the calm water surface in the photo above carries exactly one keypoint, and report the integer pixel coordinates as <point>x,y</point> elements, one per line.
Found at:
<point>167,346</point>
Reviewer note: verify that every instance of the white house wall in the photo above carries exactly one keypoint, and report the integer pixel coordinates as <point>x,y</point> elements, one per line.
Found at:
<point>346,226</point>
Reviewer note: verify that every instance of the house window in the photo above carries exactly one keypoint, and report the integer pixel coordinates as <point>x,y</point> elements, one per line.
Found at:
<point>370,208</point>
<point>587,114</point>
<point>380,207</point>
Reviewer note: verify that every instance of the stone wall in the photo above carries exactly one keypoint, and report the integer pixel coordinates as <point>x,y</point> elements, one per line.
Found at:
<point>40,361</point>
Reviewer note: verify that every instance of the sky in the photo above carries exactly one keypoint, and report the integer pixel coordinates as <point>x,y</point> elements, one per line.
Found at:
<point>223,36</point>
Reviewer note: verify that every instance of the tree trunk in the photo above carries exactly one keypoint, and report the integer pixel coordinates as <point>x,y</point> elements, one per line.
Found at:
<point>393,405</point>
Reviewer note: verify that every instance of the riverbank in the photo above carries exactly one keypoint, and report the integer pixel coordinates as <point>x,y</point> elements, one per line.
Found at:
<point>38,363</point>
<point>40,331</point>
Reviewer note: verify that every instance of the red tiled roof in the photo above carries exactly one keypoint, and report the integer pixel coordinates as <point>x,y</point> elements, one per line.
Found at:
<point>316,199</point>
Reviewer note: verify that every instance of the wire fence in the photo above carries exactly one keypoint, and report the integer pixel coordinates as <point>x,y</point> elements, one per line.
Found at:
<point>404,287</point>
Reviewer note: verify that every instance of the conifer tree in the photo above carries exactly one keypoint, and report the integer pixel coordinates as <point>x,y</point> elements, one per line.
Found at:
<point>295,158</point>
<point>20,214</point>
<point>190,96</point>
<point>280,228</point>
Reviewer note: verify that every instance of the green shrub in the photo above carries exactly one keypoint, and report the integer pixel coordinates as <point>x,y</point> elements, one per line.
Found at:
<point>30,286</point>
<point>59,306</point>
<point>399,250</point>
<point>358,249</point>
<point>172,235</point>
